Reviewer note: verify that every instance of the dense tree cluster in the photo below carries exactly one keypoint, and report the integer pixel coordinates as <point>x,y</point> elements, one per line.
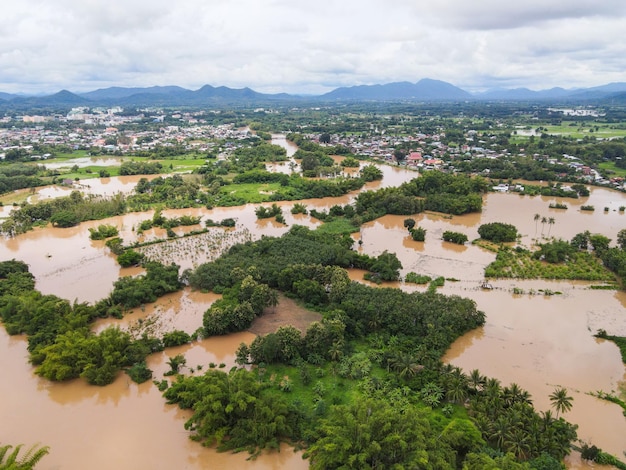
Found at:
<point>134,167</point>
<point>498,232</point>
<point>18,175</point>
<point>60,342</point>
<point>454,237</point>
<point>63,211</point>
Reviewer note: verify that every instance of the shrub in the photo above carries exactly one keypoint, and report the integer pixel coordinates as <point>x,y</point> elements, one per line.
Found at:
<point>418,234</point>
<point>129,258</point>
<point>175,338</point>
<point>415,278</point>
<point>498,232</point>
<point>139,372</point>
<point>587,208</point>
<point>454,237</point>
<point>102,232</point>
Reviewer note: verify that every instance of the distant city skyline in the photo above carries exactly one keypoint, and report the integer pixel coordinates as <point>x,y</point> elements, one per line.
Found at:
<point>306,47</point>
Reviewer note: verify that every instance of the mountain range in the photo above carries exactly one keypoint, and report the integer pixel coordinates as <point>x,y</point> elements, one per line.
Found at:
<point>425,90</point>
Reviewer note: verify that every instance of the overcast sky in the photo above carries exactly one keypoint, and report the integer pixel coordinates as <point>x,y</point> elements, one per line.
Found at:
<point>309,46</point>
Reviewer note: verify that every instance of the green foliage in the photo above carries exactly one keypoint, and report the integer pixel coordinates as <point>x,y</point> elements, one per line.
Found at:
<point>560,401</point>
<point>595,454</point>
<point>129,258</point>
<point>238,307</point>
<point>64,219</point>
<point>235,411</point>
<point>418,234</point>
<point>350,162</point>
<point>373,434</point>
<point>81,353</point>
<point>15,278</point>
<point>175,364</point>
<point>139,372</point>
<point>175,338</point>
<point>371,173</point>
<point>116,245</point>
<point>417,278</point>
<point>498,232</point>
<point>266,213</point>
<point>131,292</point>
<point>386,266</point>
<point>63,212</point>
<point>299,209</point>
<point>11,460</point>
<point>102,232</point>
<point>521,264</point>
<point>409,224</point>
<point>140,168</point>
<point>587,208</point>
<point>557,251</point>
<point>454,237</point>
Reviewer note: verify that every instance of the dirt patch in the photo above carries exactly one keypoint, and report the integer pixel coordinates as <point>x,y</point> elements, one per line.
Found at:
<point>287,312</point>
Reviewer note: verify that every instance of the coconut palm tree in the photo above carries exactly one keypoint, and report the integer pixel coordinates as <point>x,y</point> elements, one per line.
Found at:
<point>544,221</point>
<point>476,380</point>
<point>457,390</point>
<point>561,402</point>
<point>10,461</point>
<point>405,365</point>
<point>536,219</point>
<point>551,222</point>
<point>500,429</point>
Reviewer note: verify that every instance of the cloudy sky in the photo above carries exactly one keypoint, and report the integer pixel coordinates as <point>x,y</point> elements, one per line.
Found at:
<point>309,46</point>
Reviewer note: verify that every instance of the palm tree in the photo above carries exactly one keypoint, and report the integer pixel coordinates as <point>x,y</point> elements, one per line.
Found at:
<point>499,432</point>
<point>476,380</point>
<point>561,402</point>
<point>536,219</point>
<point>26,462</point>
<point>551,222</point>
<point>518,443</point>
<point>457,390</point>
<point>405,365</point>
<point>544,221</point>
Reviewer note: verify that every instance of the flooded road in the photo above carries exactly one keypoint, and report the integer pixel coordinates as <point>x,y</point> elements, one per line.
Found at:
<point>539,342</point>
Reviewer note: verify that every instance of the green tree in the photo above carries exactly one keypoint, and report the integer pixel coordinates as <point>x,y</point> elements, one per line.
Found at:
<point>551,222</point>
<point>621,239</point>
<point>561,401</point>
<point>536,219</point>
<point>64,219</point>
<point>405,365</point>
<point>374,434</point>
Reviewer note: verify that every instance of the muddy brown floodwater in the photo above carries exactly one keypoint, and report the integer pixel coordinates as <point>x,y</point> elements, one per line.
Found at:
<point>536,341</point>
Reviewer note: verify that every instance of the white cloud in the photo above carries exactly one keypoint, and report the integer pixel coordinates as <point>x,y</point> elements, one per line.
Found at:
<point>306,46</point>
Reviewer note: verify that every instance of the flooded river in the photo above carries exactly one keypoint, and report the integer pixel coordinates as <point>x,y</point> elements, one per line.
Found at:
<point>539,342</point>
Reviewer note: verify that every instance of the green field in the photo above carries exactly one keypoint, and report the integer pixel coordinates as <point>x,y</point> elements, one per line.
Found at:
<point>580,130</point>
<point>251,192</point>
<point>612,170</point>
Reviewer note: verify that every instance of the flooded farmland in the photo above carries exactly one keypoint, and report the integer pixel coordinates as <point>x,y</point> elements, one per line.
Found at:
<point>539,342</point>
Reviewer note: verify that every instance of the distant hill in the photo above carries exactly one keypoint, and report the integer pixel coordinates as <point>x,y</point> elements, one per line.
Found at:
<point>61,99</point>
<point>424,90</point>
<point>554,94</point>
<point>517,94</point>
<point>7,96</point>
<point>116,93</point>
